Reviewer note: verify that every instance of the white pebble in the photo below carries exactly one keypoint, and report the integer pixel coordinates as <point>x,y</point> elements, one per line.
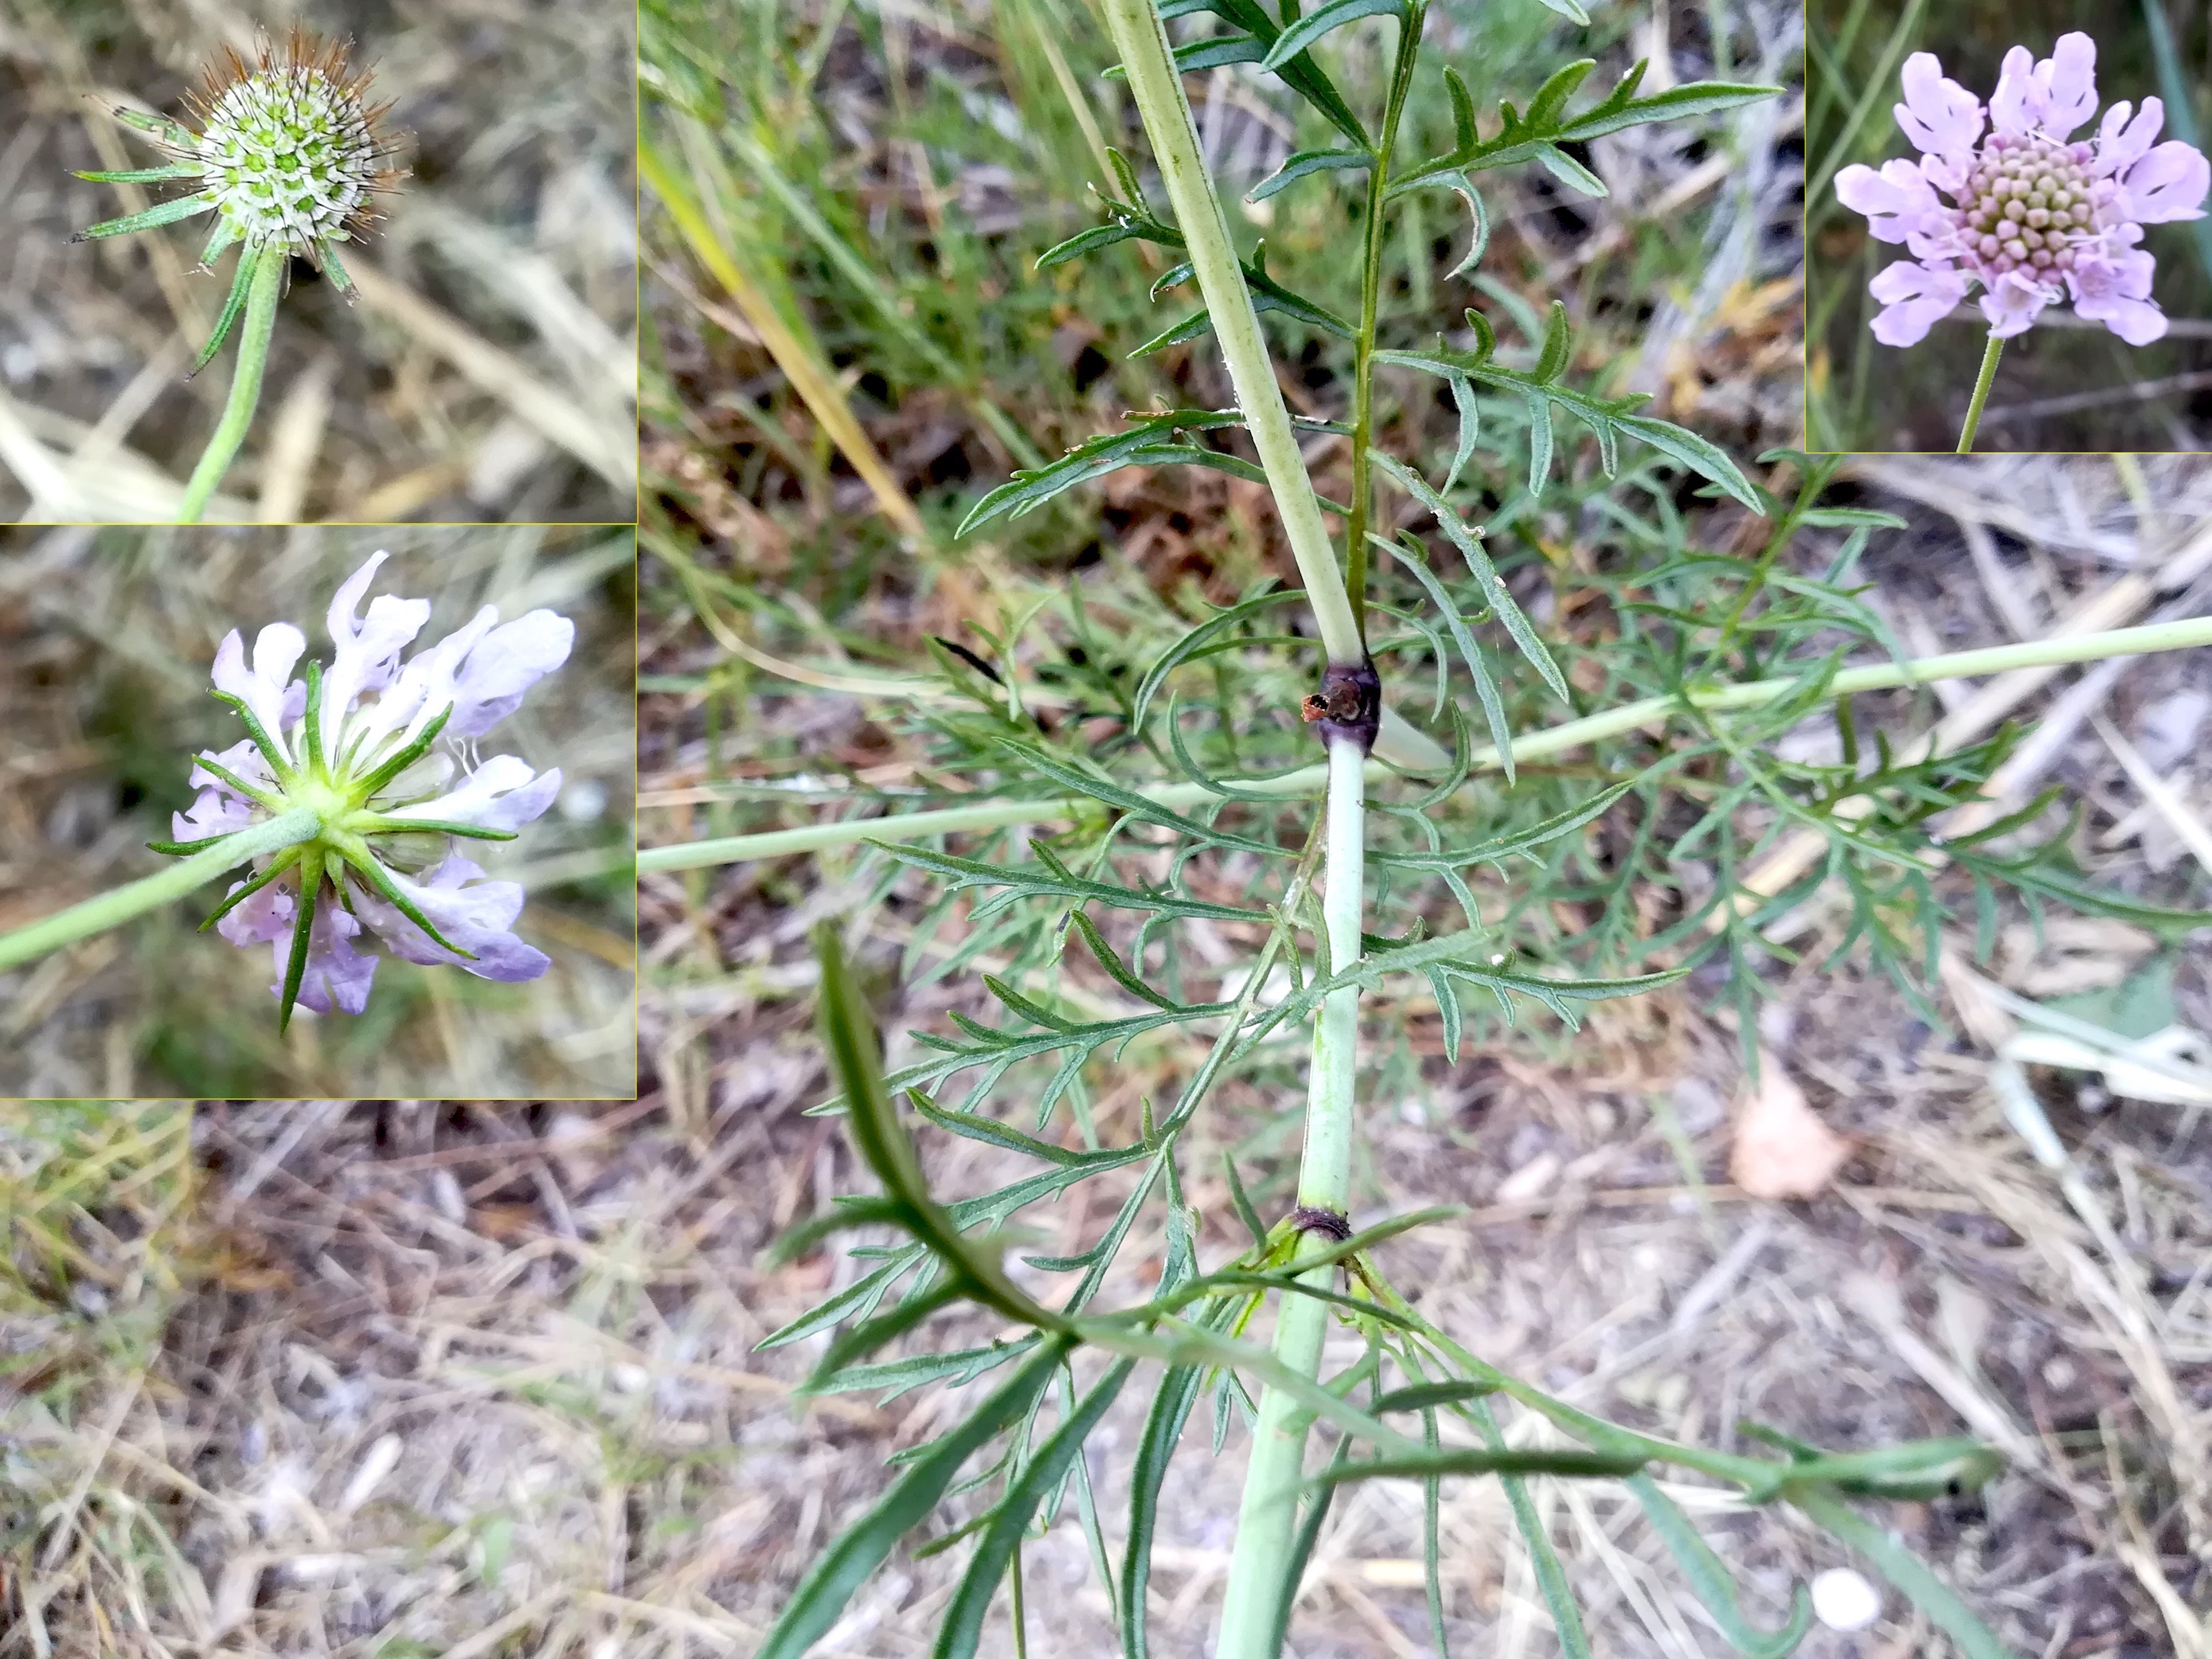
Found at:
<point>1842,1599</point>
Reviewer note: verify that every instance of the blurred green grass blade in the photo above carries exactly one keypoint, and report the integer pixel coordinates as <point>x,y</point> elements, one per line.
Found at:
<point>793,355</point>
<point>1432,1493</point>
<point>1907,1573</point>
<point>864,277</point>
<point>1827,86</point>
<point>956,1637</point>
<point>860,1549</point>
<point>2180,111</point>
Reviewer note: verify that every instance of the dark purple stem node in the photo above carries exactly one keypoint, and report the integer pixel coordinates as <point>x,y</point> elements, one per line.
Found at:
<point>1349,704</point>
<point>1312,1219</point>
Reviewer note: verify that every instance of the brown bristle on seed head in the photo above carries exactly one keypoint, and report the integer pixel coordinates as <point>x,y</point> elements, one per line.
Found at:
<point>322,183</point>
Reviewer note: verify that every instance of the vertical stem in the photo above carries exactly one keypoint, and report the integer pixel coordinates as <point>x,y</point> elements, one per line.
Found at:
<point>245,383</point>
<point>1268,1515</point>
<point>1370,289</point>
<point>1990,354</point>
<point>112,910</point>
<point>1141,40</point>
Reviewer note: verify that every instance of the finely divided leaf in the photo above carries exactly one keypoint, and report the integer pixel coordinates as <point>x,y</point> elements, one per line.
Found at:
<point>839,1570</point>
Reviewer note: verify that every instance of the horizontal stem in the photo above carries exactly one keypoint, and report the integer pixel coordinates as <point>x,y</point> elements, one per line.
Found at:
<point>1309,780</point>
<point>112,909</point>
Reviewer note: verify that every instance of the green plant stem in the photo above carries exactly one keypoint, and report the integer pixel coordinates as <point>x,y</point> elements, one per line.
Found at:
<point>1142,41</point>
<point>1990,353</point>
<point>1268,1515</point>
<point>97,915</point>
<point>259,323</point>
<point>2195,631</point>
<point>1370,292</point>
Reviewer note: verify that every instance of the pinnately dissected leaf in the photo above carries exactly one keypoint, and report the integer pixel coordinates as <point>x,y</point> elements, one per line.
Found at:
<point>1709,1578</point>
<point>1030,489</point>
<point>860,1549</point>
<point>963,1624</point>
<point>1305,165</point>
<point>1502,602</point>
<point>1335,16</point>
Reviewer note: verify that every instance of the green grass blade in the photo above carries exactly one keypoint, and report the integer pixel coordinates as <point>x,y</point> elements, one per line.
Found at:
<point>963,1619</point>
<point>860,1549</point>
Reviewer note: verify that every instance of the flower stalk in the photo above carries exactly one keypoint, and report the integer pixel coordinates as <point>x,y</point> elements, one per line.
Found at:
<point>1142,41</point>
<point>259,325</point>
<point>1983,381</point>
<point>112,910</point>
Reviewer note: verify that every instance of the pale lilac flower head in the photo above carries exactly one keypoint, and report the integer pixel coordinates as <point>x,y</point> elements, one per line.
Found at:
<point>2004,199</point>
<point>383,752</point>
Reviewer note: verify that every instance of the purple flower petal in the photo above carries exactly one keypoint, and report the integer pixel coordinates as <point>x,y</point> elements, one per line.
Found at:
<point>504,666</point>
<point>475,914</point>
<point>2115,291</point>
<point>262,689</point>
<point>220,809</point>
<point>264,919</point>
<point>1914,296</point>
<point>2013,304</point>
<point>502,793</point>
<point>2068,81</point>
<point>2016,106</point>
<point>426,685</point>
<point>2168,183</point>
<point>366,657</point>
<point>2121,142</point>
<point>337,973</point>
<point>1938,115</point>
<point>1893,200</point>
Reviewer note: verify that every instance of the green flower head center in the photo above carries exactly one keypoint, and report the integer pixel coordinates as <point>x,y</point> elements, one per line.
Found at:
<point>358,833</point>
<point>288,154</point>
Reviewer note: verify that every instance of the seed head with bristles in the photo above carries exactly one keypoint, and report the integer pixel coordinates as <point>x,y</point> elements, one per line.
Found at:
<point>289,152</point>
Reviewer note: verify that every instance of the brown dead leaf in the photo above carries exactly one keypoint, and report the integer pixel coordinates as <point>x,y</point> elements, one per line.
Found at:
<point>1783,1149</point>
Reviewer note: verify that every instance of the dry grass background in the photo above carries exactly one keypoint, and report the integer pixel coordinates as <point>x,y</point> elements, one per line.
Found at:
<point>106,640</point>
<point>489,372</point>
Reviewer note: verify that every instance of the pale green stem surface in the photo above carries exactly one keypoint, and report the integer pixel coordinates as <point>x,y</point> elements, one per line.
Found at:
<point>97,915</point>
<point>1142,41</point>
<point>2194,631</point>
<point>1983,381</point>
<point>254,331</point>
<point>1268,1515</point>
